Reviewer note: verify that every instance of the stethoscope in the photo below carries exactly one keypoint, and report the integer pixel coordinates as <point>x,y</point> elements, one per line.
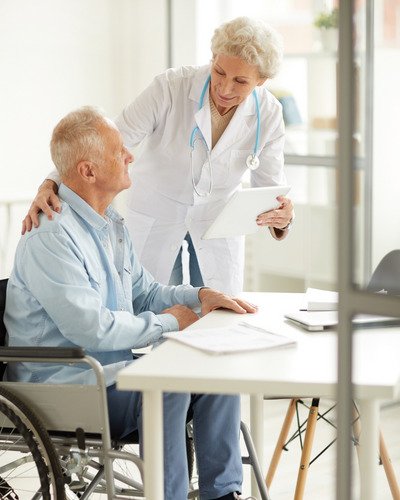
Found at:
<point>252,161</point>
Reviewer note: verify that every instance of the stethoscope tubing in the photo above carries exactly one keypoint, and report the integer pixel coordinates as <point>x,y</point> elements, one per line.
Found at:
<point>252,161</point>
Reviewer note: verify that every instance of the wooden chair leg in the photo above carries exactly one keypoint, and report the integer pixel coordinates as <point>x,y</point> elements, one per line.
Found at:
<point>281,442</point>
<point>306,453</point>
<point>387,465</point>
<point>384,456</point>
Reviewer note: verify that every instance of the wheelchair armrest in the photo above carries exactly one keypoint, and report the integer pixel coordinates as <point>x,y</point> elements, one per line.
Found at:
<point>42,352</point>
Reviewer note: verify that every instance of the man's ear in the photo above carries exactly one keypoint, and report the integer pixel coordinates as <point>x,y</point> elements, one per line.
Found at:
<point>87,171</point>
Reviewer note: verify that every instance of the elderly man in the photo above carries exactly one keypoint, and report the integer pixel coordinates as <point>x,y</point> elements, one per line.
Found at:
<point>77,282</point>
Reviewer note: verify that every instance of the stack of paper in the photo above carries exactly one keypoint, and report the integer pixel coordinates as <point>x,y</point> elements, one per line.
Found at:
<point>237,338</point>
<point>320,300</point>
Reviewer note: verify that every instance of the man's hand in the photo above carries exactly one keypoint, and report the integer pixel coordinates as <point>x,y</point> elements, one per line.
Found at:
<point>183,314</point>
<point>212,299</point>
<point>47,201</point>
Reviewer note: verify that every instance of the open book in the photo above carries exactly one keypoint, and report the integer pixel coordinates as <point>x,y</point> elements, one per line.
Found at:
<point>237,338</point>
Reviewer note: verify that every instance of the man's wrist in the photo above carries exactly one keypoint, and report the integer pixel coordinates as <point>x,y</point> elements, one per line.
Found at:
<point>202,291</point>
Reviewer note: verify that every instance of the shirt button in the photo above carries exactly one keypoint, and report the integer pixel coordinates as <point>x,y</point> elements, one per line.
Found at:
<point>120,240</point>
<point>121,309</point>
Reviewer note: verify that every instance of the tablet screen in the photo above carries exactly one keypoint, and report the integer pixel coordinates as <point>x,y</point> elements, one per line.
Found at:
<point>238,217</point>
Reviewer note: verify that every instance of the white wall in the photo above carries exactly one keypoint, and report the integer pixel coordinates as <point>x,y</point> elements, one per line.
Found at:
<point>386,169</point>
<point>56,55</point>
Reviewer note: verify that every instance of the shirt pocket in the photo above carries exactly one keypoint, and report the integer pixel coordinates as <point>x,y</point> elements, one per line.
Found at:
<point>127,281</point>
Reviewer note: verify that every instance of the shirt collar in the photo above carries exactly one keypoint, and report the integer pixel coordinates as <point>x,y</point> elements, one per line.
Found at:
<point>85,211</point>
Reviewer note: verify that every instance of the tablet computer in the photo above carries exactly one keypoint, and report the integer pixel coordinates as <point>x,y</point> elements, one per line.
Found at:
<point>238,217</point>
<point>317,321</point>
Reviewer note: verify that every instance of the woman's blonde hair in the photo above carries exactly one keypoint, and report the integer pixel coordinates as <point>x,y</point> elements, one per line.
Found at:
<point>252,40</point>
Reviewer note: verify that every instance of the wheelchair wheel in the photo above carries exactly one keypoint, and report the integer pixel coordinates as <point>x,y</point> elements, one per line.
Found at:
<point>29,465</point>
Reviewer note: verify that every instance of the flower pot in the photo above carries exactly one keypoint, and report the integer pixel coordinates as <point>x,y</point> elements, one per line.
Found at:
<point>329,39</point>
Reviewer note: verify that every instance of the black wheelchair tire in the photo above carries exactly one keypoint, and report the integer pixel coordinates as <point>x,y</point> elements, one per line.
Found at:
<point>36,439</point>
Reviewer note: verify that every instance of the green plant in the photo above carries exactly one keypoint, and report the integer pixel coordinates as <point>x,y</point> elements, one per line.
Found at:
<point>326,20</point>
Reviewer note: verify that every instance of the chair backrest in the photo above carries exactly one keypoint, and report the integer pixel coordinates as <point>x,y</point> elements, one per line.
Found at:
<point>387,274</point>
<point>3,331</point>
<point>3,289</point>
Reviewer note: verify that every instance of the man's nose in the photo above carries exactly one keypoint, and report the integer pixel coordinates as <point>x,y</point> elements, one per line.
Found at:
<point>129,157</point>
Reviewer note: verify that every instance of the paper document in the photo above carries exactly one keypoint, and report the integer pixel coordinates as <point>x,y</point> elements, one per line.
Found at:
<point>237,338</point>
<point>320,300</point>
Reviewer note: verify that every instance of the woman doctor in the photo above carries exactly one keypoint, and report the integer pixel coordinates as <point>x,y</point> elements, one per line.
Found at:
<point>201,129</point>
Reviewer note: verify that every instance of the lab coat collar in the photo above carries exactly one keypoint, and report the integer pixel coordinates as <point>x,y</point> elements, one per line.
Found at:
<point>203,115</point>
<point>198,83</point>
<point>238,125</point>
<point>236,129</point>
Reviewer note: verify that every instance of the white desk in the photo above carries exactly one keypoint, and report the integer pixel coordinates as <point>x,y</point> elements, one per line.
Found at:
<point>308,369</point>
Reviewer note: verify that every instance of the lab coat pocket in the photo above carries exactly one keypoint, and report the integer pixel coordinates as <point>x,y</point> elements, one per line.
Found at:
<point>237,163</point>
<point>220,171</point>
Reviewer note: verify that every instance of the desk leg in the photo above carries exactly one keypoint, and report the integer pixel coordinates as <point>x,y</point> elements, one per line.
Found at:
<point>153,445</point>
<point>369,445</point>
<point>257,433</point>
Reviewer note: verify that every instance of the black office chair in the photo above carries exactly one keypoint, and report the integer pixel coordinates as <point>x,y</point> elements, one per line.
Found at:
<point>385,278</point>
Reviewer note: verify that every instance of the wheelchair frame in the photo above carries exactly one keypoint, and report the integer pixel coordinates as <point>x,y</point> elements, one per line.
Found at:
<point>55,432</point>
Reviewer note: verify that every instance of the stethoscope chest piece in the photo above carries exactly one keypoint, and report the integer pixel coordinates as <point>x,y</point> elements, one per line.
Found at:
<point>252,162</point>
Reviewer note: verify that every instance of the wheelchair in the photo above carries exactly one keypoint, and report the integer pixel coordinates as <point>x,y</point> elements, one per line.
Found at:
<point>55,441</point>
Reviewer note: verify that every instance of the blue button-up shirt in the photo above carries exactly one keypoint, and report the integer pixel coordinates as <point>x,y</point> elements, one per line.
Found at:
<point>76,281</point>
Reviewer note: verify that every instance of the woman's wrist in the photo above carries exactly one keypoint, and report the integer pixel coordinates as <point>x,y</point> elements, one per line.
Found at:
<point>49,184</point>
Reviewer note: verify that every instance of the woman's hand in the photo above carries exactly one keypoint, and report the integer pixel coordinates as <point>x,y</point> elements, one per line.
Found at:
<point>46,201</point>
<point>279,217</point>
<point>212,299</point>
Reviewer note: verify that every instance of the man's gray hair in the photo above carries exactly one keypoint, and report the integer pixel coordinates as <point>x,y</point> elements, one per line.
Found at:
<point>77,137</point>
<point>252,40</point>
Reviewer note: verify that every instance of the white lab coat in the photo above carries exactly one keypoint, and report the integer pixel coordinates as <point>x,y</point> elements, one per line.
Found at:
<point>162,205</point>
